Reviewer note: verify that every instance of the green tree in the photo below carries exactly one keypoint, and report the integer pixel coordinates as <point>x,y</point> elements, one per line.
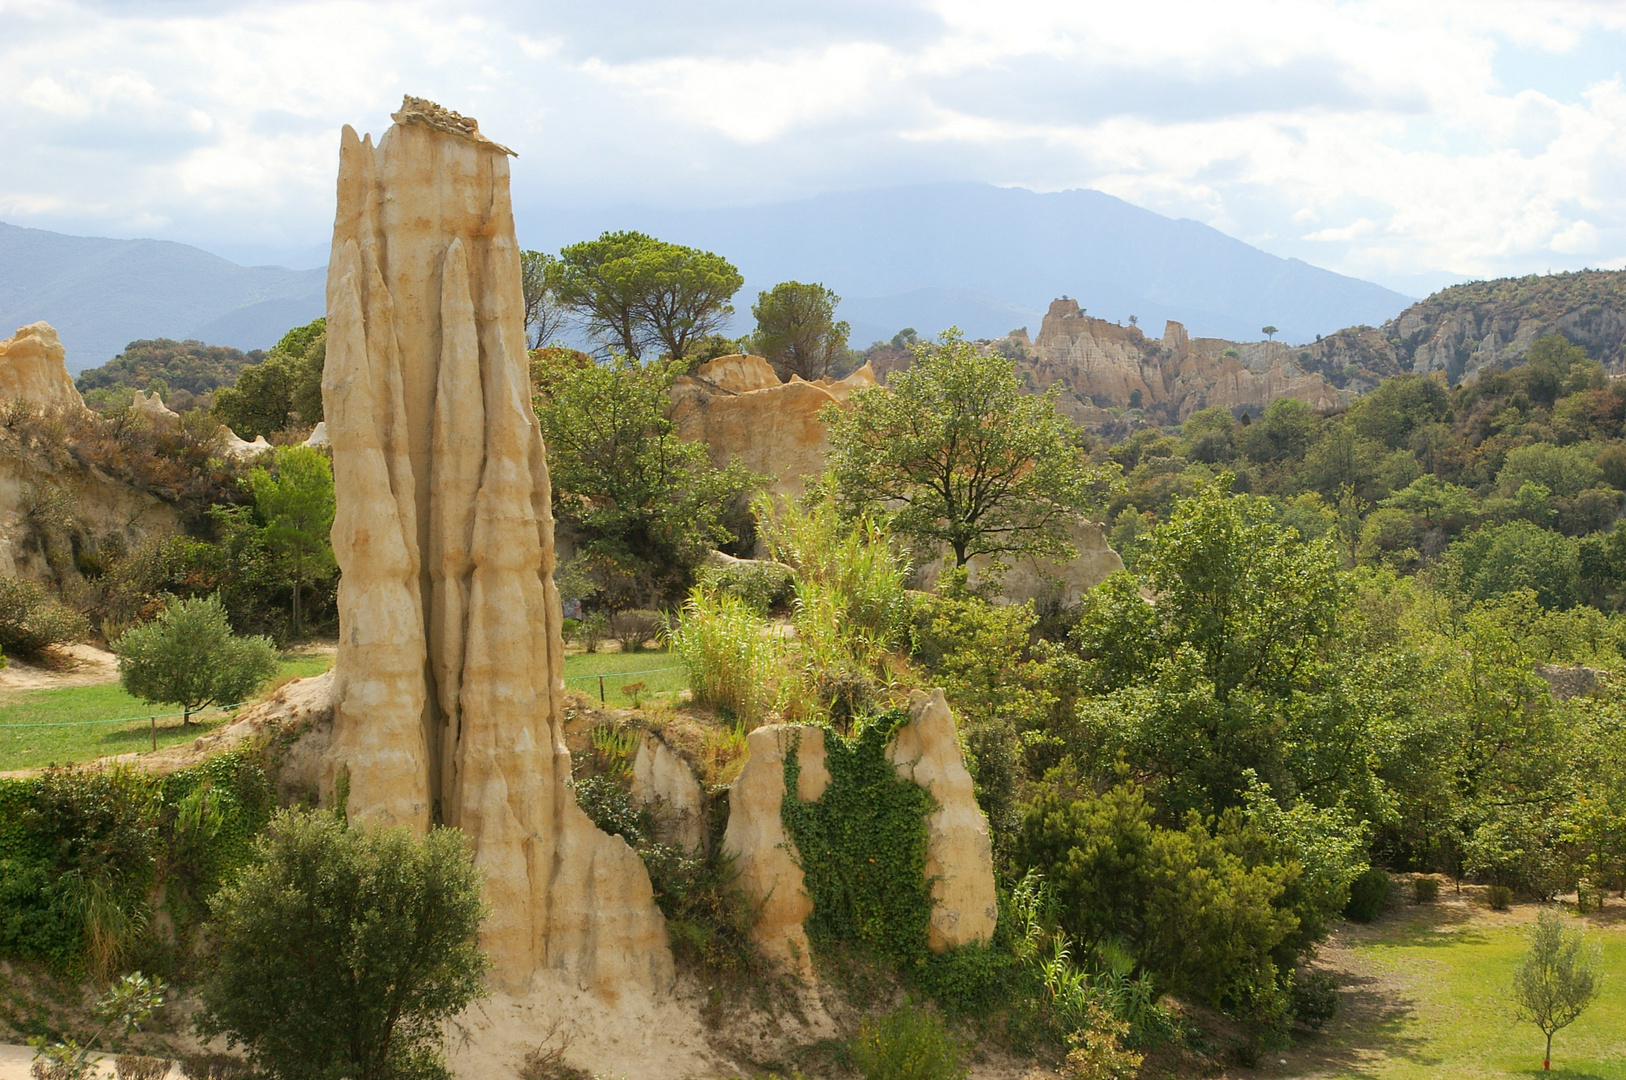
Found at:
<point>1283,433</point>
<point>296,503</point>
<point>797,329</point>
<point>1500,559</point>
<point>956,455</point>
<point>189,657</point>
<point>539,282</point>
<point>637,293</point>
<point>341,951</point>
<point>646,506</point>
<point>1270,332</point>
<point>284,388</point>
<point>1557,979</point>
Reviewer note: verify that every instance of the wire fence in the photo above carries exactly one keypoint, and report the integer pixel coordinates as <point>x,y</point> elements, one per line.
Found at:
<point>155,717</point>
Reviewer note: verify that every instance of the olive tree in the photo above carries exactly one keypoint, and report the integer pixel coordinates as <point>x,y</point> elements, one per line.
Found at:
<point>954,454</point>
<point>1557,979</point>
<point>343,950</point>
<point>189,657</point>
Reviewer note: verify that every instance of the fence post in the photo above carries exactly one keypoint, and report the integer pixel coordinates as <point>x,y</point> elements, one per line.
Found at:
<point>601,689</point>
<point>154,720</point>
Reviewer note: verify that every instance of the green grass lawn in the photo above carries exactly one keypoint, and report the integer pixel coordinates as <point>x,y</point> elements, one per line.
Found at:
<point>1430,998</point>
<point>23,747</point>
<point>662,674</point>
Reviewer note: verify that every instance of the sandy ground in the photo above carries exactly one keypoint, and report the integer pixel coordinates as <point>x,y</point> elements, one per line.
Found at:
<point>72,665</point>
<point>14,1063</point>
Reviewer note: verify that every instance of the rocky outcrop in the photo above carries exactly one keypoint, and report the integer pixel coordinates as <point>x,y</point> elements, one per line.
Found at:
<point>959,853</point>
<point>1100,365</point>
<point>233,446</point>
<point>959,857</point>
<point>762,851</point>
<point>665,784</point>
<point>448,680</point>
<point>737,406</point>
<point>34,368</point>
<point>151,407</point>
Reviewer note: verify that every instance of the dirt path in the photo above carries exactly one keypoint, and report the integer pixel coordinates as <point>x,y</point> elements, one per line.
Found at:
<point>71,665</point>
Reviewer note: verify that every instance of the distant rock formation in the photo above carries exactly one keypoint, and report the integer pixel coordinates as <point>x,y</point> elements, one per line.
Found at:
<point>235,447</point>
<point>152,408</point>
<point>34,368</point>
<point>448,680</point>
<point>737,406</point>
<point>1101,365</point>
<point>959,853</point>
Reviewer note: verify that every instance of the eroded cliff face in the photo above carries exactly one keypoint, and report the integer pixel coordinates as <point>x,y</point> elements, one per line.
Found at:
<point>448,681</point>
<point>1101,365</point>
<point>737,406</point>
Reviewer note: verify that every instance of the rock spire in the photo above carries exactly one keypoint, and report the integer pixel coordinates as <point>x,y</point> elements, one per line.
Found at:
<point>448,677</point>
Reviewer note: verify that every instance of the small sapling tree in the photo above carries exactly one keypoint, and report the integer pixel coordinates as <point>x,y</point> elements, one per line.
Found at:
<point>296,502</point>
<point>1557,979</point>
<point>189,657</point>
<point>346,946</point>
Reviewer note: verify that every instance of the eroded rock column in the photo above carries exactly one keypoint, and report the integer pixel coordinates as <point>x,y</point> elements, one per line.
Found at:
<point>448,681</point>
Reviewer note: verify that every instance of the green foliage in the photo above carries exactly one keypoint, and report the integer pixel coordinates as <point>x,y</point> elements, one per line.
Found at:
<point>724,647</point>
<point>907,1043</point>
<point>1557,979</point>
<point>1368,896</point>
<point>187,365</point>
<point>544,314</point>
<point>31,621</point>
<point>345,949</point>
<point>638,294</point>
<point>862,845</point>
<point>125,1006</point>
<point>646,506</point>
<point>797,330</point>
<point>283,389</point>
<point>296,503</point>
<point>1096,1050</point>
<point>87,853</point>
<point>188,656</point>
<point>761,584</point>
<point>1425,890</point>
<point>954,454</point>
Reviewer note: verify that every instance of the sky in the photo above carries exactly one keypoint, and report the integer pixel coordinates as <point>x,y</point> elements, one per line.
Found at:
<point>1402,142</point>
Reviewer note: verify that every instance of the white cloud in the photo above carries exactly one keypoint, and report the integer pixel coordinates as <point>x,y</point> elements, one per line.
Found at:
<point>1378,137</point>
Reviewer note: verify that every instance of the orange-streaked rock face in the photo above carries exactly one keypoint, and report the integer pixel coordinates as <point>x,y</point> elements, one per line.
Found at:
<point>447,685</point>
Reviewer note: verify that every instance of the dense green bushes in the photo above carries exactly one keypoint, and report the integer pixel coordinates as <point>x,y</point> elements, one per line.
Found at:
<point>31,620</point>
<point>84,856</point>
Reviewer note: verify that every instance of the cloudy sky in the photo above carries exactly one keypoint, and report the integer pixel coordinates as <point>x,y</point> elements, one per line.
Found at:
<point>1390,140</point>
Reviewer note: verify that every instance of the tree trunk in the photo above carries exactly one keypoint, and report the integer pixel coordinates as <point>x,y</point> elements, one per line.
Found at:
<point>296,609</point>
<point>1547,1058</point>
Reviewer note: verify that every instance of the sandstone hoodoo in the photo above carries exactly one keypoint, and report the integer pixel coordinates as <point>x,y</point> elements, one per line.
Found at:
<point>33,368</point>
<point>448,689</point>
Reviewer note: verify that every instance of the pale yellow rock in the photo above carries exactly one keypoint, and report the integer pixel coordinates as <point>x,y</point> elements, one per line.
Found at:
<point>152,408</point>
<point>763,853</point>
<point>34,368</point>
<point>448,681</point>
<point>773,429</point>
<point>959,853</point>
<point>664,782</point>
<point>232,445</point>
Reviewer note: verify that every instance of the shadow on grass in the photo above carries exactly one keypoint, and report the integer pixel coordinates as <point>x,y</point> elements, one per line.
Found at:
<point>1368,1031</point>
<point>1427,926</point>
<point>133,740</point>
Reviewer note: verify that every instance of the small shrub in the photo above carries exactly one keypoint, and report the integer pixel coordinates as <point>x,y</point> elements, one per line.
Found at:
<point>31,621</point>
<point>1425,890</point>
<point>723,645</point>
<point>1590,897</point>
<point>1499,897</point>
<point>633,628</point>
<point>141,1067</point>
<point>1368,896</point>
<point>188,656</point>
<point>1314,998</point>
<point>593,628</point>
<point>906,1044</point>
<point>569,629</point>
<point>764,585</point>
<point>214,1067</point>
<point>1097,1051</point>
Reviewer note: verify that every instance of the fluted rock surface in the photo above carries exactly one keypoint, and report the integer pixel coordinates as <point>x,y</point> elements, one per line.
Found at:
<point>448,687</point>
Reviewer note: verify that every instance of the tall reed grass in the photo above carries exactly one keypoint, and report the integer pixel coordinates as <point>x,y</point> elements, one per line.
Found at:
<point>731,659</point>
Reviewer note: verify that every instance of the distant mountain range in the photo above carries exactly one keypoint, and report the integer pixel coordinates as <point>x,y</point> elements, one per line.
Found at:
<point>102,294</point>
<point>985,258</point>
<point>991,259</point>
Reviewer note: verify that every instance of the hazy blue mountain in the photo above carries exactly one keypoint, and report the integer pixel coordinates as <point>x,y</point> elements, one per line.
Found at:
<point>102,294</point>
<point>991,259</point>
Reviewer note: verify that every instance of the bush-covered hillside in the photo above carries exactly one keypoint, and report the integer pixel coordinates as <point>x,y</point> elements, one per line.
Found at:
<point>188,365</point>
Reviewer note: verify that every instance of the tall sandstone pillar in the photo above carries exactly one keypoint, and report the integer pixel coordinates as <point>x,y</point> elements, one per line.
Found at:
<point>448,680</point>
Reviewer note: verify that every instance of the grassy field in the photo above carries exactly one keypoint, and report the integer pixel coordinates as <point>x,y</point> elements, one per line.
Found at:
<point>1426,994</point>
<point>67,741</point>
<point>23,745</point>
<point>664,674</point>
